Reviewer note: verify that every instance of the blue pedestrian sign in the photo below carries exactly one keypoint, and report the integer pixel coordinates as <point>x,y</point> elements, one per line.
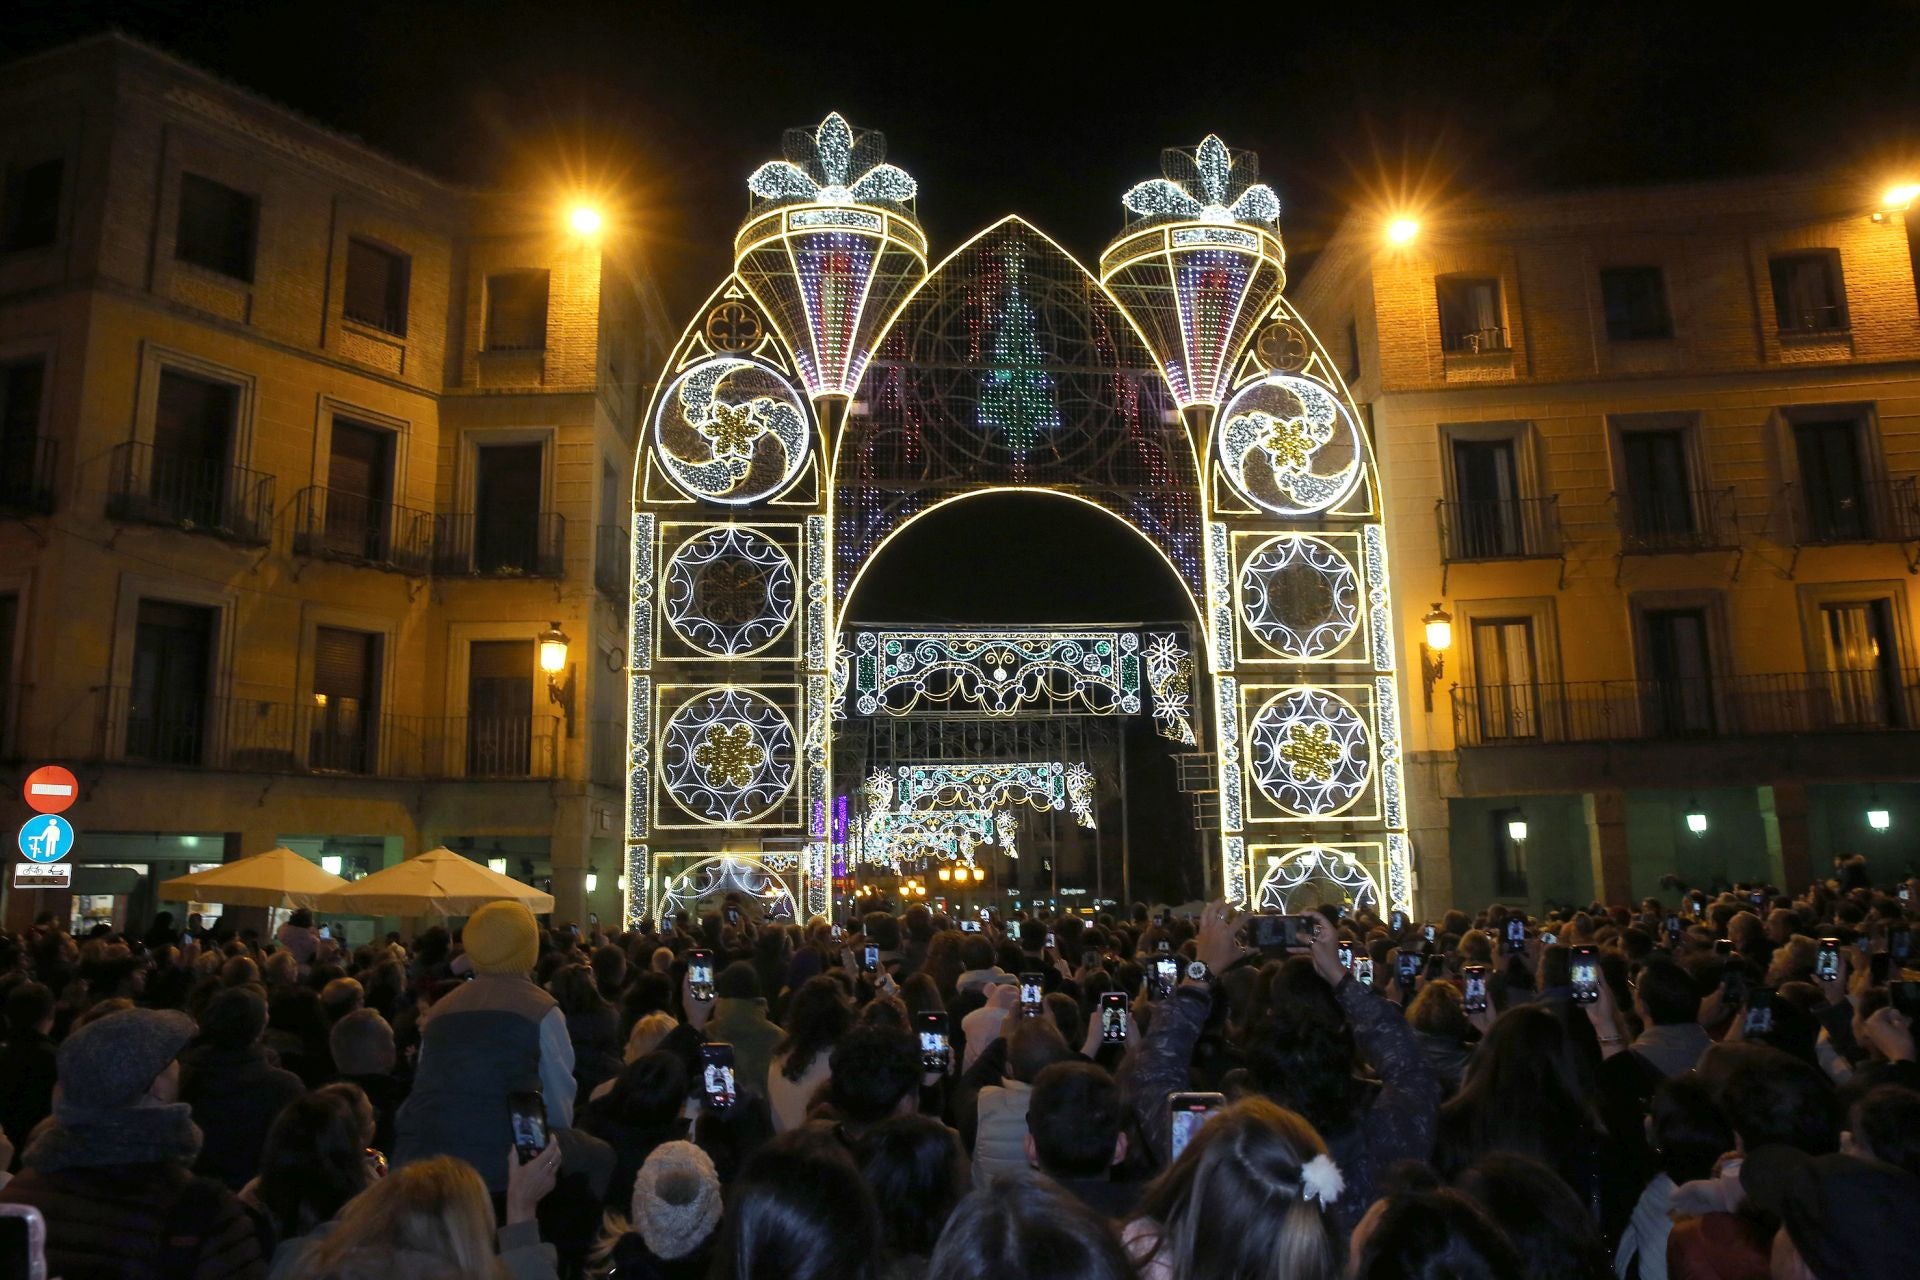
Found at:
<point>46,837</point>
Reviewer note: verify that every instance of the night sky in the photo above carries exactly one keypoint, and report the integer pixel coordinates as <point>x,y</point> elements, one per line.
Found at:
<point>1053,110</point>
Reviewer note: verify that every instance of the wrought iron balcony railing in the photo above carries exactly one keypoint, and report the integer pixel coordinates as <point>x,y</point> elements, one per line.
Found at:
<point>331,524</point>
<point>612,558</point>
<point>1703,708</point>
<point>1499,529</point>
<point>1880,511</point>
<point>198,495</point>
<point>1475,342</point>
<point>1670,523</point>
<point>501,544</point>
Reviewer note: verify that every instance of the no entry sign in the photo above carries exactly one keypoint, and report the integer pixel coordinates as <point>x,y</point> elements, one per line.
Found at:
<point>50,789</point>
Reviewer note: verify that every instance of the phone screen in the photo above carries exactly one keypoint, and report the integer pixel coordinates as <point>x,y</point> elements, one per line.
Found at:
<point>1899,943</point>
<point>1428,932</point>
<point>528,1112</point>
<point>1673,925</point>
<point>1516,935</point>
<point>1549,940</point>
<point>1346,955</point>
<point>733,915</point>
<point>1407,967</point>
<point>1475,1000</point>
<point>1826,961</point>
<point>326,931</point>
<point>1049,941</point>
<point>1161,977</point>
<point>969,926</point>
<point>1279,933</point>
<point>1363,970</point>
<point>1586,975</point>
<point>716,1075</point>
<point>935,1051</point>
<point>1188,1113</point>
<point>1031,994</point>
<point>1734,986</point>
<point>1113,1017</point>
<point>700,975</point>
<point>1397,921</point>
<point>1759,1012</point>
<point>870,958</point>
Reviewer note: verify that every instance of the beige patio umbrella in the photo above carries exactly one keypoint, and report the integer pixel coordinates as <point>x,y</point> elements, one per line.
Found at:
<point>437,883</point>
<point>277,878</point>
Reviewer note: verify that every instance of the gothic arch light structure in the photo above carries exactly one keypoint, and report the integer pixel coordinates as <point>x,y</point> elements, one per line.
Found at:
<point>834,389</point>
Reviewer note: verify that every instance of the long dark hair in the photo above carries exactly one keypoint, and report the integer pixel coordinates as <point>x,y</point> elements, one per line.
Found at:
<point>818,1015</point>
<point>314,1161</point>
<point>1301,1053</point>
<point>1525,1093</point>
<point>915,1166</point>
<point>799,1210</point>
<point>1234,1203</point>
<point>1027,1227</point>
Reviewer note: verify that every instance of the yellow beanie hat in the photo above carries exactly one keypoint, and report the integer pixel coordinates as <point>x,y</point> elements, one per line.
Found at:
<point>502,937</point>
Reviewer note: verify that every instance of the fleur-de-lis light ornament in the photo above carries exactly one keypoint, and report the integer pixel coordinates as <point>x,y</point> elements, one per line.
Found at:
<point>1214,201</point>
<point>729,755</point>
<point>829,178</point>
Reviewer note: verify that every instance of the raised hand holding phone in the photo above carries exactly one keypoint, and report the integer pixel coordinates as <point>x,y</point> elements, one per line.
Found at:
<point>529,1181</point>
<point>1325,951</point>
<point>1218,947</point>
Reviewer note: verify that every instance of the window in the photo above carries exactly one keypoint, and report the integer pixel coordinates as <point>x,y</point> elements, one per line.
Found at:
<point>1678,686</point>
<point>506,507</point>
<point>1470,315</point>
<point>1352,371</point>
<point>1635,300</point>
<point>346,686</point>
<point>217,226</point>
<point>499,708</point>
<point>22,383</point>
<point>1833,481</point>
<point>167,721</point>
<point>193,429</point>
<point>1657,502</point>
<point>359,490</point>
<point>1807,294</point>
<point>1506,678</point>
<point>1486,488</point>
<point>1862,661</point>
<point>30,206</point>
<point>517,311</point>
<point>1509,855</point>
<point>377,281</point>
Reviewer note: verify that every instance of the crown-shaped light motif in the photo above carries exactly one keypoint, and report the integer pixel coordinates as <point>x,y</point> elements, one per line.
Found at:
<point>1209,184</point>
<point>820,168</point>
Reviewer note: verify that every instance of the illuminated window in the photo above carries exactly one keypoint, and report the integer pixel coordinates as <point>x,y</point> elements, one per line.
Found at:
<point>30,206</point>
<point>377,281</point>
<point>517,311</point>
<point>1471,318</point>
<point>217,227</point>
<point>1635,300</point>
<point>1808,296</point>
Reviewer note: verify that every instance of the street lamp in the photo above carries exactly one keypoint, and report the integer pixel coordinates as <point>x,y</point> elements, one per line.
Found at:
<point>1433,648</point>
<point>1879,819</point>
<point>331,863</point>
<point>1697,823</point>
<point>584,219</point>
<point>1402,231</point>
<point>1517,830</point>
<point>553,661</point>
<point>593,878</point>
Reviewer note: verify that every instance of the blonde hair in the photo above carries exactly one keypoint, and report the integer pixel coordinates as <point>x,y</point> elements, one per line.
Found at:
<point>647,1035</point>
<point>438,1208</point>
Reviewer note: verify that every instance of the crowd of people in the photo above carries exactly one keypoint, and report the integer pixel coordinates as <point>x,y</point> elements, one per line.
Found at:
<point>1714,1085</point>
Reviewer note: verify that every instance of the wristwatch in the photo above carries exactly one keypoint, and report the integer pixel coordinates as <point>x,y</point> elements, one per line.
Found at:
<point>1197,971</point>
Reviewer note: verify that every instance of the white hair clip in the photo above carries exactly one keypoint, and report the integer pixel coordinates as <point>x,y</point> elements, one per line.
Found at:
<point>1320,1179</point>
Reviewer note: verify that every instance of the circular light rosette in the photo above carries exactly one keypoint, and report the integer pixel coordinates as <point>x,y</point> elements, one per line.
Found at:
<point>1288,445</point>
<point>1300,596</point>
<point>729,591</point>
<point>727,755</point>
<point>1310,753</point>
<point>732,431</point>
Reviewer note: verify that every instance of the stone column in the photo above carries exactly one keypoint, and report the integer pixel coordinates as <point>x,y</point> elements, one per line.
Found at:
<point>1783,812</point>
<point>1606,818</point>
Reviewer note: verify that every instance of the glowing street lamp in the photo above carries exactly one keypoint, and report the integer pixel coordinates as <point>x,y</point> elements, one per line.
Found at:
<point>584,219</point>
<point>1402,231</point>
<point>1433,649</point>
<point>1517,830</point>
<point>1697,823</point>
<point>553,660</point>
<point>1879,819</point>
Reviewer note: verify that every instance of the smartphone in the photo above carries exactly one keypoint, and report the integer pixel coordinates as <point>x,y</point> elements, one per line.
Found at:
<point>1280,933</point>
<point>1031,994</point>
<point>969,926</point>
<point>1346,955</point>
<point>1757,897</point>
<point>733,915</point>
<point>1905,996</point>
<point>1187,1113</point>
<point>1586,975</point>
<point>1733,987</point>
<point>593,917</point>
<point>1407,968</point>
<point>839,934</point>
<point>1113,1017</point>
<point>986,914</point>
<point>1396,922</point>
<point>1900,942</point>
<point>23,1243</point>
<point>528,1112</point>
<point>1759,1013</point>
<point>1049,940</point>
<point>1476,995</point>
<point>1723,946</point>
<point>1363,970</point>
<point>700,974</point>
<point>1161,977</point>
<point>1516,935</point>
<point>936,1052</point>
<point>1879,964</point>
<point>1428,933</point>
<point>1826,961</point>
<point>326,931</point>
<point>1163,946</point>
<point>717,1088</point>
<point>1549,939</point>
<point>1673,925</point>
<point>1906,892</point>
<point>870,958</point>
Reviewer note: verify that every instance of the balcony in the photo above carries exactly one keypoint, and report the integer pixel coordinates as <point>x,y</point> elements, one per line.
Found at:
<point>26,474</point>
<point>1883,511</point>
<point>612,554</point>
<point>192,494</point>
<point>501,545</point>
<point>1678,523</point>
<point>1491,340</point>
<point>1498,529</point>
<point>249,735</point>
<point>1598,711</point>
<point>1812,320</point>
<point>330,524</point>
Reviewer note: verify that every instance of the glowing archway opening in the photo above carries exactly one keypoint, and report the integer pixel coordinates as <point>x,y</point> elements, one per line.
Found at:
<point>719,874</point>
<point>1315,864</point>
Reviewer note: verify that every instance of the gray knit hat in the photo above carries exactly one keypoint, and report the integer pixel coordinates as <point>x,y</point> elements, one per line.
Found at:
<point>111,1061</point>
<point>676,1200</point>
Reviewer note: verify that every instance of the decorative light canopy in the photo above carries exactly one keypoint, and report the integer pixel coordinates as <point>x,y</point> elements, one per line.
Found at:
<point>1200,266</point>
<point>830,248</point>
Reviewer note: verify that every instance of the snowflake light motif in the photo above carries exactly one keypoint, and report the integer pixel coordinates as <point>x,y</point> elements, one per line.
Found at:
<point>730,756</point>
<point>1175,197</point>
<point>1080,794</point>
<point>826,177</point>
<point>1310,752</point>
<point>1170,677</point>
<point>1291,443</point>
<point>733,428</point>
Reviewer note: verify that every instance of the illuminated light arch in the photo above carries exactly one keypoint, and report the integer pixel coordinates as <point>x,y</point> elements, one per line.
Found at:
<point>1337,865</point>
<point>715,875</point>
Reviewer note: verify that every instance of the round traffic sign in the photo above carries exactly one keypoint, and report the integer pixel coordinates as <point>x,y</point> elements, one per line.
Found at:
<point>50,789</point>
<point>45,837</point>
